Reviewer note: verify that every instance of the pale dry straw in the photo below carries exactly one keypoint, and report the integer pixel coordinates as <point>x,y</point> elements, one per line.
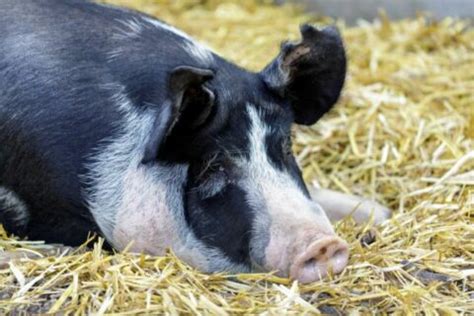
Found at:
<point>402,134</point>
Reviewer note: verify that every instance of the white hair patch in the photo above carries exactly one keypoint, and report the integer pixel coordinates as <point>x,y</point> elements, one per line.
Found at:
<point>196,50</point>
<point>13,206</point>
<point>199,52</point>
<point>167,27</point>
<point>131,28</point>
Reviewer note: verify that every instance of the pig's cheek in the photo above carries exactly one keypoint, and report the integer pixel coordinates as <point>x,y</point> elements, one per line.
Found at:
<point>275,254</point>
<point>145,221</point>
<point>281,245</point>
<point>143,218</point>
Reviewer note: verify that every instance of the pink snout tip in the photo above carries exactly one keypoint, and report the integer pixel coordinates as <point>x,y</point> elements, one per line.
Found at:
<point>319,258</point>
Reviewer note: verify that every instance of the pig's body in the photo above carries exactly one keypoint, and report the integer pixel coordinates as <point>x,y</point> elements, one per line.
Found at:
<point>61,93</point>
<point>113,122</point>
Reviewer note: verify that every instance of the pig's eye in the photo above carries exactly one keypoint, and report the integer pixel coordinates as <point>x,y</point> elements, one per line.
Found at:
<point>210,177</point>
<point>213,182</point>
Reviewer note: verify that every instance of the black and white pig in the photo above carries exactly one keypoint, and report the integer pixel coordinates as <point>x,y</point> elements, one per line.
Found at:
<point>114,122</point>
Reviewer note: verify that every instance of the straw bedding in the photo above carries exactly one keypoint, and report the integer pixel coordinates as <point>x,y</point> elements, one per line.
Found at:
<point>402,133</point>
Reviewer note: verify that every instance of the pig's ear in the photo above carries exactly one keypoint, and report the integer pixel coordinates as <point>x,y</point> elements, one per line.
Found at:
<point>187,107</point>
<point>310,73</point>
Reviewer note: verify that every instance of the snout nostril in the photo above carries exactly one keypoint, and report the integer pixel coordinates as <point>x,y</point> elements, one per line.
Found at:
<point>317,257</point>
<point>339,258</point>
<point>310,263</point>
<point>339,252</point>
<point>313,261</point>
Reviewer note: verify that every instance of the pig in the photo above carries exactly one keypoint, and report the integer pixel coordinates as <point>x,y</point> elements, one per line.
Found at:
<point>116,123</point>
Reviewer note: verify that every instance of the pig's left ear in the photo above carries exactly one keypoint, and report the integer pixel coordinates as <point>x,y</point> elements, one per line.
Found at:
<point>187,107</point>
<point>309,74</point>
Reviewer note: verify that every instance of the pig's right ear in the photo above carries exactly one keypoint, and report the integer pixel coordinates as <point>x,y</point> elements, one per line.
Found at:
<point>187,107</point>
<point>309,73</point>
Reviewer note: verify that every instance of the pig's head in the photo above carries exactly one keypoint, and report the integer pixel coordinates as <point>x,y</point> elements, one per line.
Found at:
<point>244,195</point>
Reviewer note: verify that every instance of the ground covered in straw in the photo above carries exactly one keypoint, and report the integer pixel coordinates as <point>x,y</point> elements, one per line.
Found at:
<point>402,134</point>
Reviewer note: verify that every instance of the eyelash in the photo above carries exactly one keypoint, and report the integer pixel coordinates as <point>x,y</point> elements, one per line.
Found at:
<point>219,182</point>
<point>210,166</point>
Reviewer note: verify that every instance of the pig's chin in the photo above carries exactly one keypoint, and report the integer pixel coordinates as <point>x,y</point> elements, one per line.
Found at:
<point>207,259</point>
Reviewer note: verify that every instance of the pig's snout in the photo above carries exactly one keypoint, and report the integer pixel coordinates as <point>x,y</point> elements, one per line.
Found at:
<point>319,258</point>
<point>308,254</point>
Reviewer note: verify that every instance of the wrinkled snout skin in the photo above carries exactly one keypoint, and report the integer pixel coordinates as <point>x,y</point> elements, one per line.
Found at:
<point>116,123</point>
